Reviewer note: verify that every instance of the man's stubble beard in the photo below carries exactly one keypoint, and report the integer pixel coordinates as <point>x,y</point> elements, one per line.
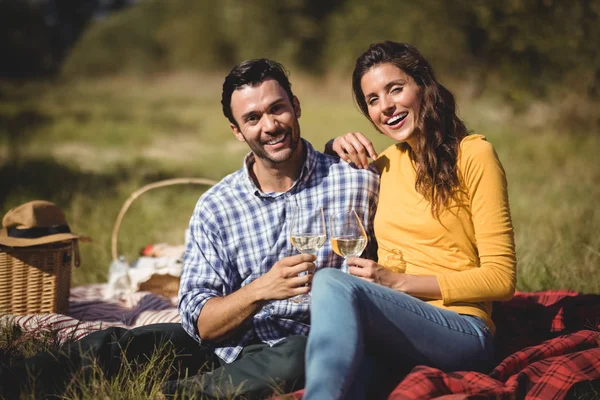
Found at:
<point>260,152</point>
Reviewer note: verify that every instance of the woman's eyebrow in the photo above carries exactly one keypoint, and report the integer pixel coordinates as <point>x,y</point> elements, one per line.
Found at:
<point>396,82</point>
<point>399,81</point>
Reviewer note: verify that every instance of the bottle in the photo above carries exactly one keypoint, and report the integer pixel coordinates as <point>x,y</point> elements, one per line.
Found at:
<point>118,279</point>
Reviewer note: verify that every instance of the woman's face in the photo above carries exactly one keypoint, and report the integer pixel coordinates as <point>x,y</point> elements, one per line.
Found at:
<point>393,101</point>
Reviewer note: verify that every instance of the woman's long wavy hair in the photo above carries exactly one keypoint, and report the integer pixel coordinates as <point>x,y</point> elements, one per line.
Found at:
<point>438,129</point>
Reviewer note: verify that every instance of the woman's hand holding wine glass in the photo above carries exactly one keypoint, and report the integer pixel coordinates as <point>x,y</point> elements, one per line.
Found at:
<point>349,239</point>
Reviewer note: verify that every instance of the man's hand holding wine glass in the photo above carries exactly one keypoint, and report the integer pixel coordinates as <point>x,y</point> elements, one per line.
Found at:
<point>287,278</point>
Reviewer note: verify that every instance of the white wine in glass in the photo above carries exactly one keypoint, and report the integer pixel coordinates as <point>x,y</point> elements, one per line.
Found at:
<point>348,236</point>
<point>307,234</point>
<point>308,244</point>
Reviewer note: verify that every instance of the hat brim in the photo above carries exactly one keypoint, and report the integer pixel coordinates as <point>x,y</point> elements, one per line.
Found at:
<point>6,240</point>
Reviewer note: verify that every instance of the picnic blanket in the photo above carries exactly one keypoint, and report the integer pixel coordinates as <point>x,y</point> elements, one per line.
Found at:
<point>90,311</point>
<point>546,342</point>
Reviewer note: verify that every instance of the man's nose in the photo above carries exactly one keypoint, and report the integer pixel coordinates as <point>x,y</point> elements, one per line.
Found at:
<point>268,124</point>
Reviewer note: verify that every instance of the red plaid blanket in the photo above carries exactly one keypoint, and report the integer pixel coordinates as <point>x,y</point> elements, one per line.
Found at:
<point>546,342</point>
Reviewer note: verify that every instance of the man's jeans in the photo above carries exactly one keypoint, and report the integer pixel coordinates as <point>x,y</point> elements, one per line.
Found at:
<point>259,372</point>
<point>365,337</point>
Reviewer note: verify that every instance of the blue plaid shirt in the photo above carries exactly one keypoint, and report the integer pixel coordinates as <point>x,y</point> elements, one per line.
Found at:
<point>237,233</point>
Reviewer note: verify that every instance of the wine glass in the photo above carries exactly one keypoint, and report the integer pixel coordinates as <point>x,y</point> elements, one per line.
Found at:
<point>348,236</point>
<point>307,234</point>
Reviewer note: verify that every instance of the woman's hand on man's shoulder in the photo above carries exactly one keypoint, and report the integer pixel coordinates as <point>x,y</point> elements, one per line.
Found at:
<point>353,147</point>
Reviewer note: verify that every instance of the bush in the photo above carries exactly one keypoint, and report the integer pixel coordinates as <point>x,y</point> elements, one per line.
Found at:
<point>124,43</point>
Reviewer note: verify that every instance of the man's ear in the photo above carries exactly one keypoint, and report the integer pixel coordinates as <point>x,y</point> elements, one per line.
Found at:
<point>296,105</point>
<point>236,132</point>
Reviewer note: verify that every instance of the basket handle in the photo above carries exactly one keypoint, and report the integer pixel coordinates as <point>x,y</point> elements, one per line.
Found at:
<point>144,189</point>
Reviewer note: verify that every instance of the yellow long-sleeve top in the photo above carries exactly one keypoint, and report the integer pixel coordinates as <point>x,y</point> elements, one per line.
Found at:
<point>470,249</point>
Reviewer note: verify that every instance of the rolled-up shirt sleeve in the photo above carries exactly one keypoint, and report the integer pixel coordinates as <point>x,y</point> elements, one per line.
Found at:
<point>203,276</point>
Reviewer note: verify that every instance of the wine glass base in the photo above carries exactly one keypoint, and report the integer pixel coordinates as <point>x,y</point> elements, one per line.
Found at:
<point>301,299</point>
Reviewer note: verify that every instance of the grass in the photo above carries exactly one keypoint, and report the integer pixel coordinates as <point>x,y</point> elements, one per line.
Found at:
<point>88,145</point>
<point>133,381</point>
<point>16,343</point>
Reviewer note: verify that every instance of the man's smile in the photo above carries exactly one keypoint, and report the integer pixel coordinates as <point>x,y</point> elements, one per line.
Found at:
<point>277,139</point>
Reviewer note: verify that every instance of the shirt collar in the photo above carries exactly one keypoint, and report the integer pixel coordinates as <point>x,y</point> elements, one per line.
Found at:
<point>305,172</point>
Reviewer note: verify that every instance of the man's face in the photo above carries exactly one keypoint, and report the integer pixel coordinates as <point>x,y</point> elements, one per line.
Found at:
<point>268,121</point>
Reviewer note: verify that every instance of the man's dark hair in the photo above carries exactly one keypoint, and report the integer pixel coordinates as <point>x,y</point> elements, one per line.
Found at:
<point>252,72</point>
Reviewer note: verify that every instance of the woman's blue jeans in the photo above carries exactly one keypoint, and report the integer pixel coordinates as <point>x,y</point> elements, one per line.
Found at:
<point>363,335</point>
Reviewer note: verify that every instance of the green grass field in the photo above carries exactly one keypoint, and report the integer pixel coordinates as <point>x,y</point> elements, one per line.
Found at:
<point>134,380</point>
<point>88,145</point>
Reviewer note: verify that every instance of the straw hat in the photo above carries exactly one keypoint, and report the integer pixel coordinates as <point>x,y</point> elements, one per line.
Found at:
<point>34,223</point>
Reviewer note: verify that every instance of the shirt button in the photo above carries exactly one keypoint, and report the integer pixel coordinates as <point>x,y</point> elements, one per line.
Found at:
<point>288,194</point>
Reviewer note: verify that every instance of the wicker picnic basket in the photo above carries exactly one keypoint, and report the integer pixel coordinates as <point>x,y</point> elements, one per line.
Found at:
<point>36,279</point>
<point>166,285</point>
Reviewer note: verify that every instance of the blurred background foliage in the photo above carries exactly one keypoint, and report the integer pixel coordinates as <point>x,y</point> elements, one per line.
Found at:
<point>100,97</point>
<point>528,51</point>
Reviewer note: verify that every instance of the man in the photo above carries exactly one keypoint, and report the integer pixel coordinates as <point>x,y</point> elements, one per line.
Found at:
<point>240,270</point>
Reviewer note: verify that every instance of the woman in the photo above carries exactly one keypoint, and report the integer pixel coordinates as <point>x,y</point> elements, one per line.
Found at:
<point>445,237</point>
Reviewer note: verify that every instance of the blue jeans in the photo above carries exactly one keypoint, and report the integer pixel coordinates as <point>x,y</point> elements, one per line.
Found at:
<point>365,337</point>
